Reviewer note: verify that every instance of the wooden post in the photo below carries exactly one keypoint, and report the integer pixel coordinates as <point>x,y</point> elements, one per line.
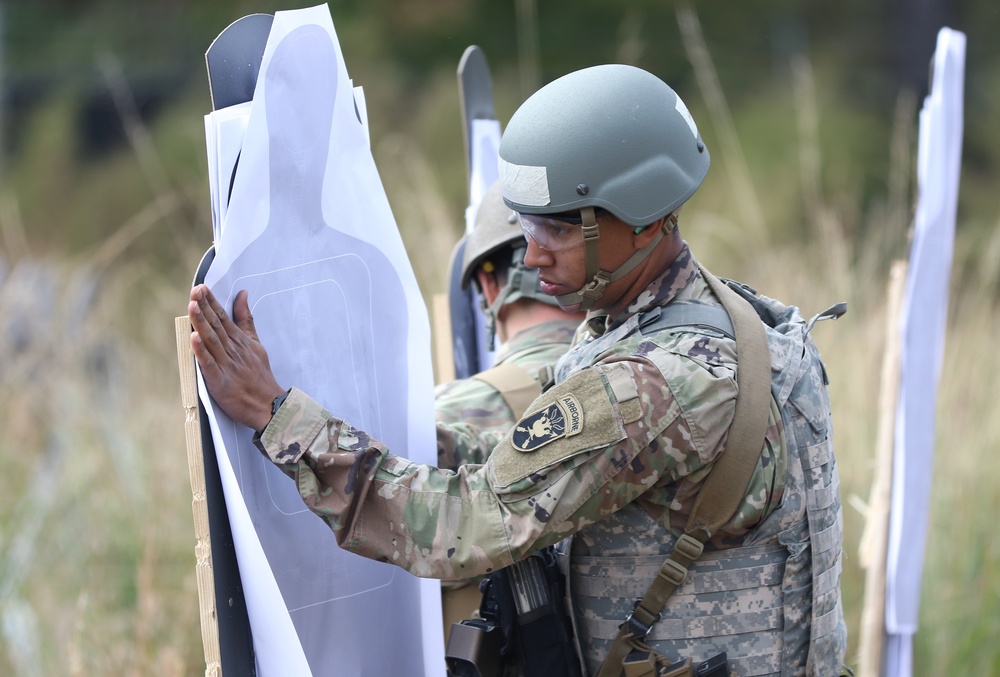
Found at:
<point>199,503</point>
<point>441,335</point>
<point>873,549</point>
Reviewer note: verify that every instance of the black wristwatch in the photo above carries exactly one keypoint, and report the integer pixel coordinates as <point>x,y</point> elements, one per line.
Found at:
<point>278,401</point>
<point>275,405</point>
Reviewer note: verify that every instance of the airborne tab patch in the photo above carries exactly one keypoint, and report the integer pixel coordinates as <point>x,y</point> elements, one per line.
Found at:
<point>562,418</point>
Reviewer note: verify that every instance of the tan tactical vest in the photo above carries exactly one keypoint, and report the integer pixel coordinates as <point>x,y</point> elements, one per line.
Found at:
<point>773,604</point>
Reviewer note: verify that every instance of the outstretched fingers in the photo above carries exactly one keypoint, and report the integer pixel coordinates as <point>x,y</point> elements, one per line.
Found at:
<point>202,354</point>
<point>233,361</point>
<point>242,315</point>
<point>207,324</point>
<point>229,328</point>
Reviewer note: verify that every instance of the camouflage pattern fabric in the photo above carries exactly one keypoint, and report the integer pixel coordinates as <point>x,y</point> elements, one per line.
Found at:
<point>636,427</point>
<point>730,601</point>
<point>773,605</point>
<point>476,414</point>
<point>469,409</point>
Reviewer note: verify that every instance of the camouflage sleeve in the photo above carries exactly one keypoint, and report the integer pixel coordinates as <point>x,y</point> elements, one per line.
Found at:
<point>587,447</point>
<point>471,418</point>
<point>434,523</point>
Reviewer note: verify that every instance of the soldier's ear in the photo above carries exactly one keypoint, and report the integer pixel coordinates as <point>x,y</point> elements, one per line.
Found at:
<point>644,235</point>
<point>487,285</point>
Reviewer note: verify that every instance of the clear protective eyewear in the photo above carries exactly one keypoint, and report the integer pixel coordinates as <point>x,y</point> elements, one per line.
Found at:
<point>553,232</point>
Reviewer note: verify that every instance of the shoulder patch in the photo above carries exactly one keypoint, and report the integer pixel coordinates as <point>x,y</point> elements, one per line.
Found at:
<point>573,418</point>
<point>562,418</point>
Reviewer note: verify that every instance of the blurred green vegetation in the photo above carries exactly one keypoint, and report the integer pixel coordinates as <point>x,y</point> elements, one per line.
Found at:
<point>66,156</point>
<point>822,98</point>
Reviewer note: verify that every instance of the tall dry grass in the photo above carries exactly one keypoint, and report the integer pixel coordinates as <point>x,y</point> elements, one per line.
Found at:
<point>96,569</point>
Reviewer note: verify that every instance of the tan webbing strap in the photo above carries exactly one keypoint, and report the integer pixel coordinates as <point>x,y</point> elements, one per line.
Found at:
<point>725,487</point>
<point>597,279</point>
<point>517,387</point>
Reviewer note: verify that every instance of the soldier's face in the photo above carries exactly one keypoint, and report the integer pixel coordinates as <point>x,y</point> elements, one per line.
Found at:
<point>565,271</point>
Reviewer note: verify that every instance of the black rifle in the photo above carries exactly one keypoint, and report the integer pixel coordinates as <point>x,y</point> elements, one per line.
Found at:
<point>523,626</point>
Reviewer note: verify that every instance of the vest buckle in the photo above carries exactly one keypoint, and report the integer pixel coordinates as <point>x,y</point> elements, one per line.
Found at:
<point>637,628</point>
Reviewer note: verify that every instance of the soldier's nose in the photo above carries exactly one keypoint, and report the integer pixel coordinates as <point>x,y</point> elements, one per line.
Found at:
<point>535,256</point>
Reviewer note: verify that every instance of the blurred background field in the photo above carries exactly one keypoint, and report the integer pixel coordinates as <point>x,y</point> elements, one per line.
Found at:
<point>809,110</point>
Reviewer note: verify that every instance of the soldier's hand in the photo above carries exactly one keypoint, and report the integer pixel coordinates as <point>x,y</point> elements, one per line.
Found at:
<point>233,361</point>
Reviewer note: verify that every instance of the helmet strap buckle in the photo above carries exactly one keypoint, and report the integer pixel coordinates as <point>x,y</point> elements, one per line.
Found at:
<point>595,288</point>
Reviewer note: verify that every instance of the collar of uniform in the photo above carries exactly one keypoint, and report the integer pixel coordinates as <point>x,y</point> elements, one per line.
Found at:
<point>541,334</point>
<point>664,289</point>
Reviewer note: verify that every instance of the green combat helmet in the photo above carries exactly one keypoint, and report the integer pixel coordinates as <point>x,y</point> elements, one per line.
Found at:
<point>497,243</point>
<point>609,137</point>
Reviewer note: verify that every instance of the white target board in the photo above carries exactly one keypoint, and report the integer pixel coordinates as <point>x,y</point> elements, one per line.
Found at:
<point>309,233</point>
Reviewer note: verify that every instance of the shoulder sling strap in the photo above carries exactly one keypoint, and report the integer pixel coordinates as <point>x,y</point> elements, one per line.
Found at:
<point>725,485</point>
<point>517,387</point>
<point>687,314</point>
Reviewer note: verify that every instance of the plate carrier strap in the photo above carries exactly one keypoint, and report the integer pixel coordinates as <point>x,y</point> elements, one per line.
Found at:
<point>516,386</point>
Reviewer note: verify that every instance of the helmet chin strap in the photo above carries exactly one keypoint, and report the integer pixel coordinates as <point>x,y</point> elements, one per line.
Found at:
<point>587,296</point>
<point>522,283</point>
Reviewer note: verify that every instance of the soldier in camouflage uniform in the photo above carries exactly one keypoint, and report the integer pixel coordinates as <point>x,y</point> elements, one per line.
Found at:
<point>533,330</point>
<point>534,333</point>
<point>616,452</point>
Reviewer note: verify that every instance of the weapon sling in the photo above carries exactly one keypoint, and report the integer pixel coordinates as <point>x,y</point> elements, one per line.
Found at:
<point>724,487</point>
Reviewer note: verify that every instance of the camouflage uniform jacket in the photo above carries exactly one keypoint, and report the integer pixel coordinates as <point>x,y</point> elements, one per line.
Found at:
<point>633,430</point>
<point>636,430</point>
<point>467,410</point>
